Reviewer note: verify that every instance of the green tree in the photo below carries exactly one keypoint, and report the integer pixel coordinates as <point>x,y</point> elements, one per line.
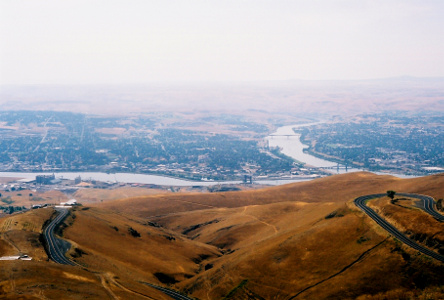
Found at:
<point>391,194</point>
<point>439,204</point>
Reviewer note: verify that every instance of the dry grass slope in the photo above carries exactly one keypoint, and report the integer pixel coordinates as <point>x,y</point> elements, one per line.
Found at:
<point>132,249</point>
<point>339,188</point>
<point>302,238</point>
<point>299,241</point>
<point>91,195</point>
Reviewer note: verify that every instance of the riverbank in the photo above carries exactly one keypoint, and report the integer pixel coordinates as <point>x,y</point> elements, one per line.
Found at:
<point>148,179</point>
<point>289,141</point>
<point>291,144</point>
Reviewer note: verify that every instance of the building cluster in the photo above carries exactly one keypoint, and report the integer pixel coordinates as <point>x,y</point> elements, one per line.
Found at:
<point>45,179</point>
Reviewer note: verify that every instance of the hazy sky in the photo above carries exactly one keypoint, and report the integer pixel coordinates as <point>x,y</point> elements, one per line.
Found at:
<point>137,41</point>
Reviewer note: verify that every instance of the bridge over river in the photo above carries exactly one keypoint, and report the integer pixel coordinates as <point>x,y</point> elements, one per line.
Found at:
<point>287,135</point>
<point>337,167</point>
<point>288,141</point>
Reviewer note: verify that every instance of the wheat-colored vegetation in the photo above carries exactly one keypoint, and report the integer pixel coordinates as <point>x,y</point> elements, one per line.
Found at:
<point>28,198</point>
<point>299,241</point>
<point>306,225</point>
<point>415,223</point>
<point>21,232</point>
<point>91,195</point>
<point>339,188</point>
<point>132,245</point>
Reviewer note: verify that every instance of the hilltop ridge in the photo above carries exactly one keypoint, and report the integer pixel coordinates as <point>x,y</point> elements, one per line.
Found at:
<point>339,188</point>
<point>298,241</point>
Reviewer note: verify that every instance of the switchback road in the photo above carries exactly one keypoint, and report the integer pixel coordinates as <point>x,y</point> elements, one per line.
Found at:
<point>361,203</point>
<point>54,251</point>
<point>427,203</point>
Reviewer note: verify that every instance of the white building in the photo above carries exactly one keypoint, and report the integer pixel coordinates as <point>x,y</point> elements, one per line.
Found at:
<point>71,202</point>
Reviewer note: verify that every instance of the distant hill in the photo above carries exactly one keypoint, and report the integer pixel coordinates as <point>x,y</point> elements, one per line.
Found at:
<point>300,97</point>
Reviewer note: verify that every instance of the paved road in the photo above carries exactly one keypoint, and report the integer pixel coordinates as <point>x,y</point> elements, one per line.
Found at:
<point>361,203</point>
<point>171,293</point>
<point>55,253</point>
<point>427,203</point>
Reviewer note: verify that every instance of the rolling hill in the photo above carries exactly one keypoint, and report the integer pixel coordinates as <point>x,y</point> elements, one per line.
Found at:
<point>285,232</point>
<point>298,241</point>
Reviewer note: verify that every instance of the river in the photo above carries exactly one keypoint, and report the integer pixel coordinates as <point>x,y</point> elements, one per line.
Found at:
<point>140,178</point>
<point>286,145</point>
<point>290,144</point>
<point>120,177</point>
<point>284,137</point>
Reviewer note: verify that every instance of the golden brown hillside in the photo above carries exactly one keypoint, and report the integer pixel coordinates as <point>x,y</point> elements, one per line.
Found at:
<point>338,189</point>
<point>131,245</point>
<point>40,278</point>
<point>299,241</point>
<point>282,240</point>
<point>117,254</point>
<point>20,233</point>
<point>404,212</point>
<point>91,195</point>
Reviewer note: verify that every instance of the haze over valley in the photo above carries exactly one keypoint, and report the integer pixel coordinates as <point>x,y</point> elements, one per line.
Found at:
<point>221,149</point>
<point>315,98</point>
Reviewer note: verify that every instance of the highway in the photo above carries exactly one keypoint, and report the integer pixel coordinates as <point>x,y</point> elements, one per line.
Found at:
<point>55,253</point>
<point>171,293</point>
<point>428,207</point>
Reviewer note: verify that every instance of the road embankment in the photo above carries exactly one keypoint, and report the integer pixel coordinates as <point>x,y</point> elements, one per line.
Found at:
<point>361,203</point>
<point>53,246</point>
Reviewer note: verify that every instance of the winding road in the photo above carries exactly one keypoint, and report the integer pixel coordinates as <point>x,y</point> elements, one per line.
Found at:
<point>57,255</point>
<point>173,294</point>
<point>427,203</point>
<point>54,251</point>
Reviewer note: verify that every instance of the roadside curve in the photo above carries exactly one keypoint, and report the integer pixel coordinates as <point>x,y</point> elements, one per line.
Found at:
<point>173,294</point>
<point>428,205</point>
<point>55,253</point>
<point>361,203</point>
